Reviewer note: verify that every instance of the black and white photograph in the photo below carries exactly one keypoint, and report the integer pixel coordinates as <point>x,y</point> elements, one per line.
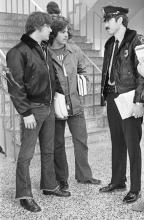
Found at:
<point>71,110</point>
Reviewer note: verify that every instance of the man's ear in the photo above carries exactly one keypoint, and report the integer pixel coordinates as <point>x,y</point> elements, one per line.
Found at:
<point>120,20</point>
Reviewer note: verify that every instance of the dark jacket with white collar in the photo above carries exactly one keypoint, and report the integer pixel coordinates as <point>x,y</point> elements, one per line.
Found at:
<point>33,71</point>
<point>126,75</point>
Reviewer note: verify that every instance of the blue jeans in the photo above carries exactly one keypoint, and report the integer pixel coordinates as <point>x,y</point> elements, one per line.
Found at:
<point>44,130</point>
<point>78,130</point>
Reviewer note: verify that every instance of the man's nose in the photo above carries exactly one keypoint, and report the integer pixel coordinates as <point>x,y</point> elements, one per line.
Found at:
<point>66,35</point>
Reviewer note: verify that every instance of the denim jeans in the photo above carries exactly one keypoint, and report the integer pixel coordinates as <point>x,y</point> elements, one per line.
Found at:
<point>78,130</point>
<point>44,130</point>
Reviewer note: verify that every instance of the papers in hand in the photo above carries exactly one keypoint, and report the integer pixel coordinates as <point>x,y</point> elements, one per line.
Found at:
<point>124,104</point>
<point>82,85</point>
<point>140,52</point>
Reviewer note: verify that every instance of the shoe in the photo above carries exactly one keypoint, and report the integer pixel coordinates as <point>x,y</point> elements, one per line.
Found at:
<point>30,205</point>
<point>138,207</point>
<point>64,185</point>
<point>131,197</point>
<point>57,192</point>
<point>112,187</point>
<point>90,181</point>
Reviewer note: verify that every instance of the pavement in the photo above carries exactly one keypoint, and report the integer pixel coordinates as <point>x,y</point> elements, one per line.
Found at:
<point>85,203</point>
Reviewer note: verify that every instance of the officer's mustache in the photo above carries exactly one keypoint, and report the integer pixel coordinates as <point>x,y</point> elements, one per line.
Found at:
<point>107,28</point>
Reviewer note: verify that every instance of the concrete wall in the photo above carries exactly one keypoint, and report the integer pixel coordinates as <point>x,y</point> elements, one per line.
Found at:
<point>98,34</point>
<point>137,22</point>
<point>136,18</point>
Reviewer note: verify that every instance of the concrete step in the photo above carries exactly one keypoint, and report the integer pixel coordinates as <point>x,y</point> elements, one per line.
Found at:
<point>12,16</point>
<point>9,36</point>
<point>84,46</point>
<point>92,53</point>
<point>94,111</point>
<point>77,38</point>
<point>13,23</point>
<point>94,77</point>
<point>92,69</point>
<point>8,43</point>
<point>96,127</point>
<point>90,100</point>
<point>93,88</point>
<point>17,36</point>
<point>5,28</point>
<point>101,135</point>
<point>93,124</point>
<point>96,59</point>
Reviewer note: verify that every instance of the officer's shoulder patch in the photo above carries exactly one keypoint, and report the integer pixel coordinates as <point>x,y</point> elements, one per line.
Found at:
<point>141,38</point>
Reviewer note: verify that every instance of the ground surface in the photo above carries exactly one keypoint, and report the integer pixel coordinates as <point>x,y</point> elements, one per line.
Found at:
<point>86,203</point>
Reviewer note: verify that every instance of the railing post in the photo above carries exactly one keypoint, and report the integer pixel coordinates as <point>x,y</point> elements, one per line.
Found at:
<point>23,7</point>
<point>6,5</point>
<point>80,15</point>
<point>67,8</point>
<point>86,22</point>
<point>94,29</point>
<point>93,92</point>
<point>11,6</point>
<point>73,11</point>
<point>101,35</point>
<point>61,6</point>
<point>14,132</point>
<point>3,122</point>
<point>29,6</point>
<point>17,6</point>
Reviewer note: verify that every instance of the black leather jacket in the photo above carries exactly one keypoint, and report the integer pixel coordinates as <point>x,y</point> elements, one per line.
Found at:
<point>34,74</point>
<point>126,75</point>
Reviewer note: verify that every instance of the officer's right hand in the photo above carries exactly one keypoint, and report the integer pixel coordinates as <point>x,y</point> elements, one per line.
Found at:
<point>30,122</point>
<point>140,68</point>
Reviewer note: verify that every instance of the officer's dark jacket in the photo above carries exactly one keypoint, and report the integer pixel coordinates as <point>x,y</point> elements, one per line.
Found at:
<point>126,75</point>
<point>33,77</point>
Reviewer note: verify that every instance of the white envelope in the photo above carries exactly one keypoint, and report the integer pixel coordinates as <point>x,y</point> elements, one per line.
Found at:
<point>140,52</point>
<point>124,104</point>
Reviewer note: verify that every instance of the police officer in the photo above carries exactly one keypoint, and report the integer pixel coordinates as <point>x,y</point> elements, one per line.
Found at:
<point>120,75</point>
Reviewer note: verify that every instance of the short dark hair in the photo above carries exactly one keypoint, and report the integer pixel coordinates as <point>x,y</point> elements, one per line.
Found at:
<point>53,8</point>
<point>125,19</point>
<point>37,20</point>
<point>59,25</point>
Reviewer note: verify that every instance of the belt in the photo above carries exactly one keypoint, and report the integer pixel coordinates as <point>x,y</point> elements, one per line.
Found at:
<point>110,89</point>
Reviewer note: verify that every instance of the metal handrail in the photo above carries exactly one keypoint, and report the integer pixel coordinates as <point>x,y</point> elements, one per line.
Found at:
<point>3,111</point>
<point>93,64</point>
<point>37,6</point>
<point>12,112</point>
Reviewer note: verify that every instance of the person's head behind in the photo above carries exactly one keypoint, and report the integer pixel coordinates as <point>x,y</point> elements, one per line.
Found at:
<point>114,18</point>
<point>36,21</point>
<point>61,27</point>
<point>53,8</point>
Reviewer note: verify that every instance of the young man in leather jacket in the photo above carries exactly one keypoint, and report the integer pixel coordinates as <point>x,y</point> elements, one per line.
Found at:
<point>32,92</point>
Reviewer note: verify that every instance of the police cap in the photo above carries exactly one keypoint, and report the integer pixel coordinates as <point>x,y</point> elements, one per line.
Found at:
<point>113,11</point>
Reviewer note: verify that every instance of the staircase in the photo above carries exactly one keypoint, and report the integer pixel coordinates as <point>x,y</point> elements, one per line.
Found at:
<point>11,29</point>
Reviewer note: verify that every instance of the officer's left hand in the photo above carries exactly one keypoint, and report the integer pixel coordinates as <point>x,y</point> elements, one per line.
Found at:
<point>137,110</point>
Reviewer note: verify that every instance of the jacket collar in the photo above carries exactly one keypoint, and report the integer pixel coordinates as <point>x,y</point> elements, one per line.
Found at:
<point>29,41</point>
<point>68,49</point>
<point>128,37</point>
